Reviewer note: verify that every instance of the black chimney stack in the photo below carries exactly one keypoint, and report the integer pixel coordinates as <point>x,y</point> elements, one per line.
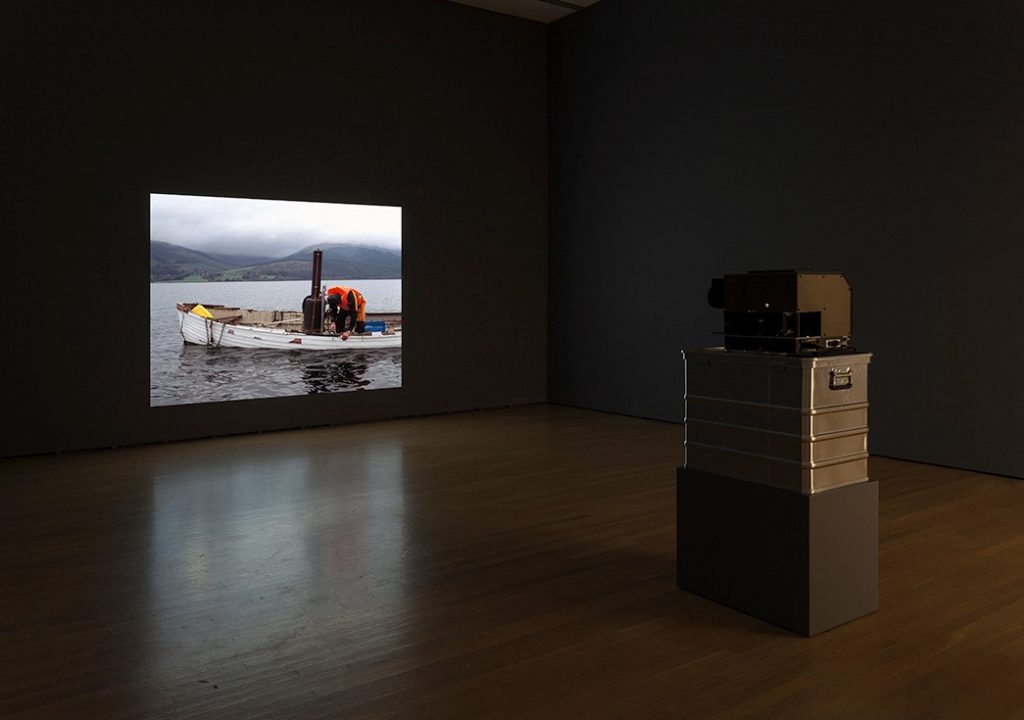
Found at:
<point>313,305</point>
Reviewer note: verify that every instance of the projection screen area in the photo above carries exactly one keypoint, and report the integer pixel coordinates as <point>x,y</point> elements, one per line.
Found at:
<point>258,298</point>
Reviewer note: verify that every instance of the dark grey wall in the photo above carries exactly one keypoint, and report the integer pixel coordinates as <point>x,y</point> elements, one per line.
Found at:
<point>425,104</point>
<point>693,139</point>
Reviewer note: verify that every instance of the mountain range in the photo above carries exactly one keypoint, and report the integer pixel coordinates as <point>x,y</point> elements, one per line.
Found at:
<point>175,263</point>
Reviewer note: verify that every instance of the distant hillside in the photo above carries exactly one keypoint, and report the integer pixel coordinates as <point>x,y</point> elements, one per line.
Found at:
<point>353,261</point>
<point>240,260</point>
<point>340,261</point>
<point>172,262</point>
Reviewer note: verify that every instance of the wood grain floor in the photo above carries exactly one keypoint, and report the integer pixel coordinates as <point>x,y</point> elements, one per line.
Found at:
<point>516,563</point>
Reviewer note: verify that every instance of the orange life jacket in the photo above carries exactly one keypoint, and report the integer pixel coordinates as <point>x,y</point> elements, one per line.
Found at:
<point>343,292</point>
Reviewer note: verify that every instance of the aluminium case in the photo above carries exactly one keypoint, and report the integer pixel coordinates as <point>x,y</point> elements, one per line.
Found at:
<point>794,422</point>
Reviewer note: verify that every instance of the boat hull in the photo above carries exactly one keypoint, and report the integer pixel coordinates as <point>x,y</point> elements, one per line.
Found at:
<point>204,331</point>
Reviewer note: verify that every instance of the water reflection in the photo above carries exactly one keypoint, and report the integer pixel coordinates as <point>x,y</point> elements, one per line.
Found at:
<point>329,375</point>
<point>209,374</point>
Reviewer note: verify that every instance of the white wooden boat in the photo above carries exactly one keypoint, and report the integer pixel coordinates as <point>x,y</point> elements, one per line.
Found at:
<point>279,329</point>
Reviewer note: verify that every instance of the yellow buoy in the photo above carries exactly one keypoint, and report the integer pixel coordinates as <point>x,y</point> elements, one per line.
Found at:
<point>202,312</point>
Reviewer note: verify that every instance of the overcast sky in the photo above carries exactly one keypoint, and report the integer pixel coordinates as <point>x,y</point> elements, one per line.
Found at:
<point>272,228</point>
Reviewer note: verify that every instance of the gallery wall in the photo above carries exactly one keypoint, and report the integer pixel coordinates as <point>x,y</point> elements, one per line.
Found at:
<point>433,106</point>
<point>690,140</point>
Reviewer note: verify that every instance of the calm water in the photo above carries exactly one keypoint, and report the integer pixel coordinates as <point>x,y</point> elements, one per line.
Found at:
<point>181,374</point>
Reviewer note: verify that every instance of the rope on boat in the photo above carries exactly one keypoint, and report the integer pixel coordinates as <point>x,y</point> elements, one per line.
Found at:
<point>209,334</point>
<point>210,342</point>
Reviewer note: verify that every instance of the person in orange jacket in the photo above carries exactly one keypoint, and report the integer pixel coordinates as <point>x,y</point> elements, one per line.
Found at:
<point>346,307</point>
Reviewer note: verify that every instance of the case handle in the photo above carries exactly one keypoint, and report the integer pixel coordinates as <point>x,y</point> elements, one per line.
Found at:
<point>840,379</point>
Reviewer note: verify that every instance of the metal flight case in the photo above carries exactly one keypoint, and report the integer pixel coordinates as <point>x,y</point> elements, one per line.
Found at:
<point>798,423</point>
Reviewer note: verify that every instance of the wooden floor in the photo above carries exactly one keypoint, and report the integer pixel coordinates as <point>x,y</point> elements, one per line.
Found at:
<point>516,563</point>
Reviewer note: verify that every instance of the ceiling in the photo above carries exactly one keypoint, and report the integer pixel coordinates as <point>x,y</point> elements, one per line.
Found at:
<point>544,11</point>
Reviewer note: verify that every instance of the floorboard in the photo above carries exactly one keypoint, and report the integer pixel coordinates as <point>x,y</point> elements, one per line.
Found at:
<point>515,563</point>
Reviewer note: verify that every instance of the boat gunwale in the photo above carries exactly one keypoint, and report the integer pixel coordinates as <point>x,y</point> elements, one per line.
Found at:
<point>262,328</point>
<point>295,316</point>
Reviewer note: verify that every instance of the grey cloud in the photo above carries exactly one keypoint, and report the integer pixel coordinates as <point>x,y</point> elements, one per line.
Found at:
<point>268,227</point>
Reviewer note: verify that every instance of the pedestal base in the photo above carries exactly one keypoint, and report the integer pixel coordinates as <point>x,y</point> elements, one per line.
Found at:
<point>805,562</point>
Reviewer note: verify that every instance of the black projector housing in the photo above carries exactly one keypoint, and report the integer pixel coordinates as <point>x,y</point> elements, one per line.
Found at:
<point>785,311</point>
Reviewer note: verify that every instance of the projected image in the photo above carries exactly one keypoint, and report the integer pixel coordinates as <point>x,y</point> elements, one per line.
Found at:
<point>270,298</point>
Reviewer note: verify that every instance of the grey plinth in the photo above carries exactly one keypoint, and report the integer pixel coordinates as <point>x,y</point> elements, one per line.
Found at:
<point>805,562</point>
